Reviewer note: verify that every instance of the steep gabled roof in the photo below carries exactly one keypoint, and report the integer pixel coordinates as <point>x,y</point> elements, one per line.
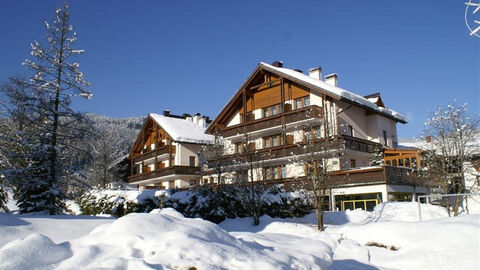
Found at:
<point>182,130</point>
<point>333,91</point>
<point>316,85</point>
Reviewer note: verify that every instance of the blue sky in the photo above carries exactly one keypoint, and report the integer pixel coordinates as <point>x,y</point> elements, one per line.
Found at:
<point>191,56</point>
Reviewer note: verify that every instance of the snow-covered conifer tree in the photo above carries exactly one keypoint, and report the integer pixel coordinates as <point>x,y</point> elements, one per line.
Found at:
<point>54,132</point>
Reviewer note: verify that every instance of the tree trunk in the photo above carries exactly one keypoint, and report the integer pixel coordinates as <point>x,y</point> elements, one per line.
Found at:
<point>319,212</point>
<point>53,142</point>
<point>256,219</point>
<point>456,205</point>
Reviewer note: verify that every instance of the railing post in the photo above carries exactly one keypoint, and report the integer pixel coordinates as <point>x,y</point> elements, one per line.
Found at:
<point>419,208</point>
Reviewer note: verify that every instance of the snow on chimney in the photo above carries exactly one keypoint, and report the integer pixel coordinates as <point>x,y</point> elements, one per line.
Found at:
<point>196,117</point>
<point>315,73</point>
<point>202,121</point>
<point>277,64</point>
<point>332,79</point>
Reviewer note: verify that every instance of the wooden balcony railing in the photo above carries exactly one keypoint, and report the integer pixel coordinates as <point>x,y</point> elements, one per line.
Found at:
<point>370,176</point>
<point>182,170</point>
<point>152,153</point>
<point>362,145</point>
<point>377,175</point>
<point>288,150</point>
<point>273,121</point>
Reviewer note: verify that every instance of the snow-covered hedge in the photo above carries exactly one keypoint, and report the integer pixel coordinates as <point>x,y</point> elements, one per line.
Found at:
<point>205,202</point>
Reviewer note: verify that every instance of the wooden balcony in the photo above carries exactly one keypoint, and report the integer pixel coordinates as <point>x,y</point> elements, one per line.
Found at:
<point>153,153</point>
<point>377,175</point>
<point>175,170</point>
<point>367,176</point>
<point>357,144</point>
<point>336,143</point>
<point>273,121</point>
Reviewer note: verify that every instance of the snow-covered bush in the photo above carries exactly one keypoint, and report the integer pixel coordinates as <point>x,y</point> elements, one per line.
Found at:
<point>206,203</point>
<point>281,203</point>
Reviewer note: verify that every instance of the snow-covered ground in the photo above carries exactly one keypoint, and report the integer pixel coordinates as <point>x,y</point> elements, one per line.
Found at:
<point>164,239</point>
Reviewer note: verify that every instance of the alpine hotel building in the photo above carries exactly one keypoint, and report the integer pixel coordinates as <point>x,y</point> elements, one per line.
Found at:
<point>270,109</point>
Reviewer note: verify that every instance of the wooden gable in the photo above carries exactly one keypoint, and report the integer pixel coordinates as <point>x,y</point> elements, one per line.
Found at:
<point>262,89</point>
<point>151,133</point>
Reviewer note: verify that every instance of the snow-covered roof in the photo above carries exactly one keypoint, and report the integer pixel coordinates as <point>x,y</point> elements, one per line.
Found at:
<point>420,143</point>
<point>334,91</point>
<point>374,100</point>
<point>182,130</point>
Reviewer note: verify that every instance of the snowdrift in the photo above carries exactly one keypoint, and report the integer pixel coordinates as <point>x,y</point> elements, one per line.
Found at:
<point>164,239</point>
<point>405,211</point>
<point>446,243</point>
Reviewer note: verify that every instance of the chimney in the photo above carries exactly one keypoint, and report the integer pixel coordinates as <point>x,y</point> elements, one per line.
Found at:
<point>315,73</point>
<point>428,138</point>
<point>202,121</point>
<point>332,79</point>
<point>166,113</point>
<point>277,64</point>
<point>196,117</point>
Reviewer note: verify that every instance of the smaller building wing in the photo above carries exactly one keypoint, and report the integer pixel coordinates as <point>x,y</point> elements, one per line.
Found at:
<point>182,130</point>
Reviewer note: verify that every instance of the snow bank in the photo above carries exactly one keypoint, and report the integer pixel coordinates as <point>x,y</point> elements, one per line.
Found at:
<point>347,217</point>
<point>34,251</point>
<point>405,211</point>
<point>446,243</point>
<point>165,239</point>
<point>59,228</point>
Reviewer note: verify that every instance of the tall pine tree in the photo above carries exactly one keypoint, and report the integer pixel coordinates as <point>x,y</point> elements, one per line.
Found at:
<point>54,131</point>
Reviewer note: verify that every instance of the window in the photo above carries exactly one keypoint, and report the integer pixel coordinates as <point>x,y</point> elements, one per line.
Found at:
<point>275,172</point>
<point>350,130</point>
<point>192,161</point>
<point>298,103</point>
<point>317,132</point>
<point>283,172</point>
<point>353,163</point>
<point>272,141</point>
<point>267,142</point>
<point>306,101</point>
<point>268,173</point>
<point>313,133</point>
<point>272,110</point>
<point>302,102</point>
<point>239,148</point>
<point>275,141</point>
<point>385,137</point>
<point>266,112</point>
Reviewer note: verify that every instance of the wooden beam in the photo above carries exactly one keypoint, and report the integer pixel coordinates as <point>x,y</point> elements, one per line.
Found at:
<point>244,104</point>
<point>400,156</point>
